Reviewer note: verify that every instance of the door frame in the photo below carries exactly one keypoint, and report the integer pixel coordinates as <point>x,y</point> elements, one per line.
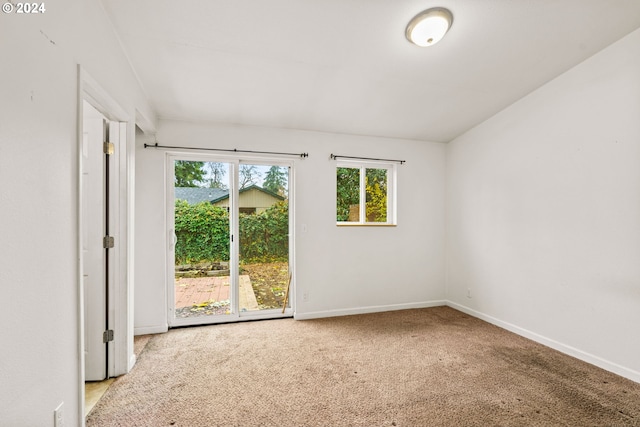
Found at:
<point>236,161</point>
<point>121,357</point>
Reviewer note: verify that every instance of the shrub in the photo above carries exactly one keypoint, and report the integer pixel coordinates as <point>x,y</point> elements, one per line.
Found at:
<point>202,231</point>
<point>203,234</point>
<point>264,237</point>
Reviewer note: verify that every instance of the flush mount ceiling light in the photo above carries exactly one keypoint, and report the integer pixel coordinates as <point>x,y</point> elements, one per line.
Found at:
<point>429,27</point>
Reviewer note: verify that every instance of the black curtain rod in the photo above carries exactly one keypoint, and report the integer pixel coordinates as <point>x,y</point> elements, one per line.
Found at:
<point>334,156</point>
<point>234,150</point>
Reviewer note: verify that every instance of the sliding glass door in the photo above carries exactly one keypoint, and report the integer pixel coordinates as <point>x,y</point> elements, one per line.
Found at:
<point>229,239</point>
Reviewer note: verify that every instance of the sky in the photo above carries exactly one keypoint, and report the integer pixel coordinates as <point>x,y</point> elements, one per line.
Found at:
<point>261,169</point>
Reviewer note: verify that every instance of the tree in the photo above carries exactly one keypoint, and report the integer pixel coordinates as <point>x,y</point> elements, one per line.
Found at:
<point>348,191</point>
<point>216,171</point>
<point>249,175</point>
<point>376,200</point>
<point>276,180</point>
<point>348,196</point>
<point>376,194</point>
<point>188,173</point>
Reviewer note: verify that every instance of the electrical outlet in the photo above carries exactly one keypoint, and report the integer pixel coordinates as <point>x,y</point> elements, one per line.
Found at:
<point>468,292</point>
<point>58,416</point>
<point>305,296</point>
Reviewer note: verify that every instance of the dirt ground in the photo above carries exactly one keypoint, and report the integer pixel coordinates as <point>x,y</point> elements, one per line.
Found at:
<point>269,282</point>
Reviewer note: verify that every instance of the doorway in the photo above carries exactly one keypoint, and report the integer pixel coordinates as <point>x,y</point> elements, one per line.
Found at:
<point>105,321</point>
<point>230,239</point>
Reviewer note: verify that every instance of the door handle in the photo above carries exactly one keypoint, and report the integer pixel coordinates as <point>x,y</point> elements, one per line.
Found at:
<point>174,239</point>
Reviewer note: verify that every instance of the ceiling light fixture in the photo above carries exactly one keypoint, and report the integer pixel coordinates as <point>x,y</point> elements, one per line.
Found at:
<point>429,27</point>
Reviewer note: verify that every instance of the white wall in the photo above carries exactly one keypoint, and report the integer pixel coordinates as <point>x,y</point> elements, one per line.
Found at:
<point>343,269</point>
<point>544,212</point>
<point>39,362</point>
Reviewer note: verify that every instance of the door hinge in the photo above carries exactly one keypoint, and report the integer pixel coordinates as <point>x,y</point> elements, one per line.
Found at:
<point>108,242</point>
<point>107,336</point>
<point>109,148</point>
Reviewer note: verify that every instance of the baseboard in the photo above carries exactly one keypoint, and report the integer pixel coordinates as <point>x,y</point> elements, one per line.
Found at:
<point>145,330</point>
<point>365,310</point>
<point>563,348</point>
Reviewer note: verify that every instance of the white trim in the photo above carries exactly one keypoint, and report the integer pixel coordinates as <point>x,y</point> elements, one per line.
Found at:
<point>366,310</point>
<point>115,255</point>
<point>122,303</point>
<point>146,330</point>
<point>292,239</point>
<point>88,89</point>
<point>362,204</point>
<point>129,178</point>
<point>170,239</point>
<point>563,348</point>
<point>80,258</point>
<point>91,91</point>
<point>234,230</point>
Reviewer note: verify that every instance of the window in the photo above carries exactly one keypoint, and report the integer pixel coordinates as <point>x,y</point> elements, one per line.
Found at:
<point>365,194</point>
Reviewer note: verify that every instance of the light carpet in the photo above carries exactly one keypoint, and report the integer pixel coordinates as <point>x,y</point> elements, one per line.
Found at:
<point>422,367</point>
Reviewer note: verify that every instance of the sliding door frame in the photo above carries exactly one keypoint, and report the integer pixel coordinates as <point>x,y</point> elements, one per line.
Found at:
<point>234,162</point>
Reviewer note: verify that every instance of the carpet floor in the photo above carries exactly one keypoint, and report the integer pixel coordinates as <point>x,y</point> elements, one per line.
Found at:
<point>423,367</point>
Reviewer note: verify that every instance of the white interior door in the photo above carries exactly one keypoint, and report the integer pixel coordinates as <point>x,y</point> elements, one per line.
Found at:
<point>94,260</point>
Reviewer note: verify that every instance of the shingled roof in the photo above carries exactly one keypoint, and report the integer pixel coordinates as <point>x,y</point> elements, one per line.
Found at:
<point>195,195</point>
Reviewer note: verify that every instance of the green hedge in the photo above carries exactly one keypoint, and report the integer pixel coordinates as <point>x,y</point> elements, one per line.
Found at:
<point>264,237</point>
<point>203,234</point>
<point>202,231</point>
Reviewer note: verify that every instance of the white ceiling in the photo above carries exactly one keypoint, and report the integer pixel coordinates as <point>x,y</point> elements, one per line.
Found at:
<point>345,65</point>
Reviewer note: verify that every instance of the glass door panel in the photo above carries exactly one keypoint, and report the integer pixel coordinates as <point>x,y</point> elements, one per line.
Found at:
<point>263,219</point>
<point>202,260</point>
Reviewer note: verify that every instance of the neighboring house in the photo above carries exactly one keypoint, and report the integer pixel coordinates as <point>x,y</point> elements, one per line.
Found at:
<point>252,199</point>
<point>195,195</point>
